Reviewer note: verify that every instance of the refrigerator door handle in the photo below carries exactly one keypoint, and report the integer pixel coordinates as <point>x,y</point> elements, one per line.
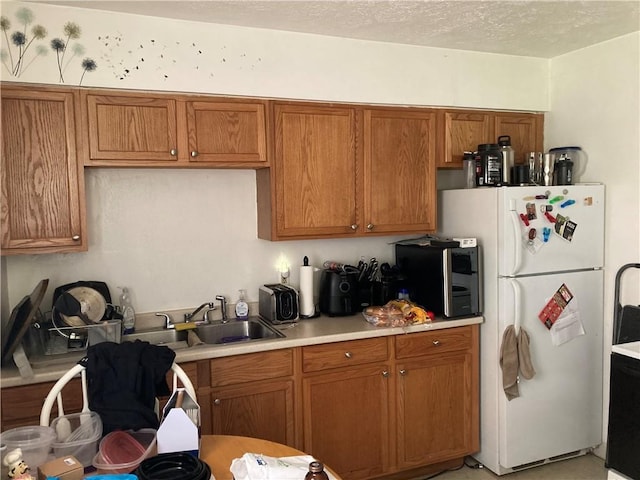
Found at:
<point>517,305</point>
<point>517,251</point>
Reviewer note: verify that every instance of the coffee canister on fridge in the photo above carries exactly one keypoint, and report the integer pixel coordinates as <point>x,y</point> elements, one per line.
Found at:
<point>488,165</point>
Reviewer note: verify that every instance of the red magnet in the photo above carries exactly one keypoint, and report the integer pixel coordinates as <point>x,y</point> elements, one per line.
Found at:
<point>524,219</point>
<point>550,217</point>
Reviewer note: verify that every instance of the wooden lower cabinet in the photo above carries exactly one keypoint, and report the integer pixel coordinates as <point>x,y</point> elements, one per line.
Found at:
<point>442,427</point>
<point>260,410</point>
<point>418,408</point>
<point>437,396</point>
<point>21,406</point>
<point>346,420</point>
<point>251,395</point>
<point>385,407</point>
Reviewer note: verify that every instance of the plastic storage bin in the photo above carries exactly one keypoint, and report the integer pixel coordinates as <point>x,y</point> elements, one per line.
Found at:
<point>77,434</point>
<point>35,443</point>
<point>123,451</point>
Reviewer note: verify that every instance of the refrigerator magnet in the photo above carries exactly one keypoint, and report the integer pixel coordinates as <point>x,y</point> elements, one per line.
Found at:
<point>555,306</point>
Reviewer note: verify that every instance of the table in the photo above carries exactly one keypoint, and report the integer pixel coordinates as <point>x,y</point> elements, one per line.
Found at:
<point>219,450</point>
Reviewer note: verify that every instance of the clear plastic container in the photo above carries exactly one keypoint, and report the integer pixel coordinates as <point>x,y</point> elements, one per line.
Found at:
<point>84,433</point>
<point>123,451</point>
<point>35,443</point>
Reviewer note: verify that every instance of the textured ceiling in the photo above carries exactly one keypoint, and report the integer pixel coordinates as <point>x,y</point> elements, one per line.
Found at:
<point>537,28</point>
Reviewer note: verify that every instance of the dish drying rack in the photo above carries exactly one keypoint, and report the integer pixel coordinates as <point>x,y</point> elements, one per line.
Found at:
<point>51,339</point>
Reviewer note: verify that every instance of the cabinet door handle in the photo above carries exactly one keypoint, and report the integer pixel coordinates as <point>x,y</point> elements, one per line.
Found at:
<point>385,373</point>
<point>75,238</point>
<point>354,226</point>
<point>436,342</point>
<point>403,372</point>
<point>348,354</point>
<point>173,152</point>
<point>370,226</point>
<point>216,401</point>
<point>194,154</point>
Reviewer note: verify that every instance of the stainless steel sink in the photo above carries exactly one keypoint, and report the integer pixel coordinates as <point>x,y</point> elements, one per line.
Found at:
<point>171,338</point>
<point>249,330</point>
<point>237,331</point>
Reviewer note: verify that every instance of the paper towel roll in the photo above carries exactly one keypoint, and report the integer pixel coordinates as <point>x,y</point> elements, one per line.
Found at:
<point>307,307</point>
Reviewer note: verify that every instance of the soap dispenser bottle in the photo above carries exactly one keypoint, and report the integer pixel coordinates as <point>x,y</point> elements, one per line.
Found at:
<point>242,308</point>
<point>128,314</point>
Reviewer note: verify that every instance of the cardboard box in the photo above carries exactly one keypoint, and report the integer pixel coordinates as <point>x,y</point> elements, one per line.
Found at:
<point>179,431</point>
<point>65,468</point>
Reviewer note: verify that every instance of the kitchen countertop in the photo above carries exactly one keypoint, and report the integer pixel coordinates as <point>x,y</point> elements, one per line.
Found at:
<point>631,349</point>
<point>305,332</point>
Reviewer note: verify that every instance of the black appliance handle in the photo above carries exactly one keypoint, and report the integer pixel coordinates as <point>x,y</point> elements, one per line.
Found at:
<point>617,308</point>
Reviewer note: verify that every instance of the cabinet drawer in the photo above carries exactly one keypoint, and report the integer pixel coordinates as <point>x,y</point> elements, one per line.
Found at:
<point>21,406</point>
<point>251,367</point>
<point>433,343</point>
<point>344,354</point>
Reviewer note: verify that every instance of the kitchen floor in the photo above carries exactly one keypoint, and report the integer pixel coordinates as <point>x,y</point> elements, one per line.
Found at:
<point>585,467</point>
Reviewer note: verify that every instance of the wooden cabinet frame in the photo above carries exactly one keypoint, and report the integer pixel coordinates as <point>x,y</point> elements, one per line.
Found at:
<point>42,174</point>
<point>153,129</point>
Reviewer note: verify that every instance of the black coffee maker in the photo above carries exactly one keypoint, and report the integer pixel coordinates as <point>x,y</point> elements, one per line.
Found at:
<point>339,293</point>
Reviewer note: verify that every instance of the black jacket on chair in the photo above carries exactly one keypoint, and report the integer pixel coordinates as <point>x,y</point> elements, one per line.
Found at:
<point>124,380</point>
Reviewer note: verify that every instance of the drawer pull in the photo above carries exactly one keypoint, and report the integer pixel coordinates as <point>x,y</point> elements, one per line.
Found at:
<point>385,373</point>
<point>348,354</point>
<point>354,226</point>
<point>436,342</point>
<point>75,238</point>
<point>173,152</point>
<point>403,372</point>
<point>216,401</point>
<point>370,226</point>
<point>194,154</point>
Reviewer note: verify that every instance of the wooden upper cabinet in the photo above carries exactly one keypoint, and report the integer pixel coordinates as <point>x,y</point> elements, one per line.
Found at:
<point>315,171</point>
<point>133,129</point>
<point>160,130</point>
<point>43,205</point>
<point>525,130</point>
<point>399,171</point>
<point>462,131</point>
<point>342,171</point>
<point>226,132</point>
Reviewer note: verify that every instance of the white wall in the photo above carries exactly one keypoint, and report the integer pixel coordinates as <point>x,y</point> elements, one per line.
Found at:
<point>595,104</point>
<point>178,238</point>
<point>138,52</point>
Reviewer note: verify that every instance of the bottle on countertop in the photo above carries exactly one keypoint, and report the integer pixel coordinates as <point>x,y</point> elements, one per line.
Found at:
<point>403,294</point>
<point>128,313</point>
<point>316,472</point>
<point>242,308</point>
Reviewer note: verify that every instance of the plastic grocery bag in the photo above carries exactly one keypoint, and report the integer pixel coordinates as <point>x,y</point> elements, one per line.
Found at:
<point>253,466</point>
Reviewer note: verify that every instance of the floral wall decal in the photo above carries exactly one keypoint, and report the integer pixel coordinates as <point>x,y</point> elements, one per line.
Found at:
<point>14,57</point>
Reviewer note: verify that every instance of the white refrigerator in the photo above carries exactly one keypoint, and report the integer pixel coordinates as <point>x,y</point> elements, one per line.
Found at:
<point>537,243</point>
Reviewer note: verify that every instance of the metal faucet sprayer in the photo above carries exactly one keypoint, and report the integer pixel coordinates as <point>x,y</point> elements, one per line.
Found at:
<point>223,307</point>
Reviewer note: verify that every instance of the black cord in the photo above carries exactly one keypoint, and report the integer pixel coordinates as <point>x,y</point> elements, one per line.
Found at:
<point>443,471</point>
<point>475,466</point>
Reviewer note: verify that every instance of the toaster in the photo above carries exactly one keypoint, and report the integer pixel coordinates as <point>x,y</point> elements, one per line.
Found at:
<point>278,303</point>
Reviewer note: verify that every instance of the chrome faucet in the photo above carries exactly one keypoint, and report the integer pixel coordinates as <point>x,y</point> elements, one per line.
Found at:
<point>188,317</point>
<point>223,307</point>
<point>168,324</point>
